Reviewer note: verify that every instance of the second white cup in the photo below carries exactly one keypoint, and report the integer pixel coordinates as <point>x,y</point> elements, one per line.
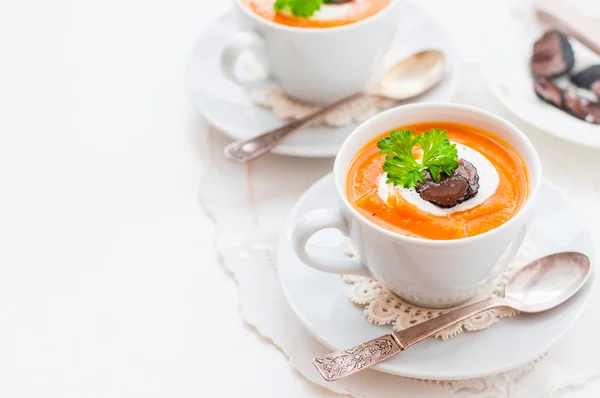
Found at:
<point>315,65</point>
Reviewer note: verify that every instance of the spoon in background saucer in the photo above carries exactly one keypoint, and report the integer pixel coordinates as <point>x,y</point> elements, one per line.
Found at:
<point>407,79</point>
<point>540,286</point>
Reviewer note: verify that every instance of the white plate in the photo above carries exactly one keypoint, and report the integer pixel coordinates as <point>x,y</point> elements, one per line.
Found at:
<point>321,302</point>
<point>230,109</point>
<point>505,66</point>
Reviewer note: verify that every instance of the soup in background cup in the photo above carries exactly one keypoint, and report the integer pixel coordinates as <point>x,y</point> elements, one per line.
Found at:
<point>428,272</point>
<point>314,65</point>
<point>328,16</point>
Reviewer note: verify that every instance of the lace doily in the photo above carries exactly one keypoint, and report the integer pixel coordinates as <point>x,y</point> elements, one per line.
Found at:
<point>285,107</point>
<point>382,307</point>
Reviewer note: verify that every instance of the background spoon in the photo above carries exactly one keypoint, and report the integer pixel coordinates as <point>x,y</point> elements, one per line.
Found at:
<point>540,286</point>
<point>408,78</point>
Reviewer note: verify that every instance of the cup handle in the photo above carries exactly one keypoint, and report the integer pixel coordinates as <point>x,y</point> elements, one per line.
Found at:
<point>331,259</point>
<point>241,42</point>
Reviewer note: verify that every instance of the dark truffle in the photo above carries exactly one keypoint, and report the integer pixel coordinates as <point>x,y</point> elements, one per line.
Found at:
<point>467,170</point>
<point>588,78</point>
<point>548,92</point>
<point>581,107</point>
<point>552,55</point>
<point>451,190</point>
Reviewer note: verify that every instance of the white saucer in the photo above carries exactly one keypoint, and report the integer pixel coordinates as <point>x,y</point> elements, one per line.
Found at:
<point>505,67</point>
<point>321,302</point>
<point>230,109</point>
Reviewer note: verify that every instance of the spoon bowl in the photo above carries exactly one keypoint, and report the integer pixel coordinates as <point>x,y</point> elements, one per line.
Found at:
<point>547,282</point>
<point>412,76</point>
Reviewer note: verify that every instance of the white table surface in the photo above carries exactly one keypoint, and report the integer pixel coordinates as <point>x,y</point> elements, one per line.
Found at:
<point>109,286</point>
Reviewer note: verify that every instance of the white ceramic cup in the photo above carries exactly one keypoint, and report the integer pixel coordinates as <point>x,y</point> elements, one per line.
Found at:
<point>317,65</point>
<point>430,273</point>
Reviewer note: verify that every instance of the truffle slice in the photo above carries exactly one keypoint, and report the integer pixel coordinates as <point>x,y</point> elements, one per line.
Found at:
<point>467,170</point>
<point>552,55</point>
<point>581,107</point>
<point>548,92</point>
<point>451,190</point>
<point>588,78</point>
<point>568,100</point>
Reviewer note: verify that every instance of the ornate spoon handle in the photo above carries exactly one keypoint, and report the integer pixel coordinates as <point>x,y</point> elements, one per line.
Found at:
<point>344,363</point>
<point>244,151</point>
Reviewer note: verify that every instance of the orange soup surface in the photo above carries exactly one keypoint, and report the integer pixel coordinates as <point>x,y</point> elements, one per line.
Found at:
<point>397,214</point>
<point>329,16</point>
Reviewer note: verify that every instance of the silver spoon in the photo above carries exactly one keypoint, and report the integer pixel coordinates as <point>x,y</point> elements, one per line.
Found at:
<point>540,286</point>
<point>406,79</point>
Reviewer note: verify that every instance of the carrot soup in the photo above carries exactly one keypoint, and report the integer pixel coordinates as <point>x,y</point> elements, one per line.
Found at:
<point>475,182</point>
<point>318,13</point>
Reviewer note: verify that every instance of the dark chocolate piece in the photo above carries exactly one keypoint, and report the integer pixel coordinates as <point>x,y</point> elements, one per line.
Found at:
<point>588,78</point>
<point>581,107</point>
<point>451,190</point>
<point>338,1</point>
<point>552,55</point>
<point>548,92</point>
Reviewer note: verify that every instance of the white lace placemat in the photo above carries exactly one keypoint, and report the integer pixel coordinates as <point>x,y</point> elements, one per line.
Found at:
<point>382,307</point>
<point>263,305</point>
<point>248,205</point>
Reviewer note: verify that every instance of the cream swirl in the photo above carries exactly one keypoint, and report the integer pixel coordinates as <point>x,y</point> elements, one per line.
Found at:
<point>488,183</point>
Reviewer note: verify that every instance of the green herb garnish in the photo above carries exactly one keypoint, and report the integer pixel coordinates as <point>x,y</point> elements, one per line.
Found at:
<point>439,156</point>
<point>300,8</point>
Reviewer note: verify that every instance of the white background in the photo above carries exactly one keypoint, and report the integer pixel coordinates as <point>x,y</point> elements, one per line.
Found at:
<point>109,286</point>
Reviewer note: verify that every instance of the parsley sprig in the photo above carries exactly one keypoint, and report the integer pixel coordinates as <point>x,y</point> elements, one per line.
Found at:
<point>300,8</point>
<point>439,156</point>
